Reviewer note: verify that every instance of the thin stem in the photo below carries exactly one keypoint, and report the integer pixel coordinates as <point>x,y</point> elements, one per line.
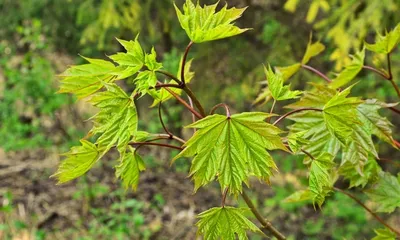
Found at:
<point>224,197</point>
<point>395,110</point>
<point>368,210</point>
<point>296,111</point>
<point>196,102</point>
<point>308,154</point>
<point>272,110</point>
<point>379,72</point>
<point>264,222</point>
<point>311,69</point>
<point>184,103</point>
<point>171,85</point>
<point>184,63</point>
<point>389,160</point>
<point>166,136</point>
<point>193,117</point>
<point>227,110</point>
<point>162,122</point>
<point>389,67</point>
<point>395,87</point>
<point>155,144</point>
<point>170,75</point>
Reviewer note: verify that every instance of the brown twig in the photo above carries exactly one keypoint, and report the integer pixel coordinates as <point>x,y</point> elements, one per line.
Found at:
<point>368,210</point>
<point>296,111</point>
<point>227,110</point>
<point>170,75</point>
<point>183,83</point>
<point>155,144</point>
<point>264,222</point>
<point>224,194</point>
<point>184,103</point>
<point>162,122</point>
<point>311,69</point>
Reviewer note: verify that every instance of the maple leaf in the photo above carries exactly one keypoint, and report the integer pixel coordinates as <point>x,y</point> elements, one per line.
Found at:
<point>225,223</point>
<point>204,24</point>
<point>384,234</point>
<point>232,148</point>
<point>117,120</point>
<point>86,79</point>
<point>320,180</point>
<point>386,44</point>
<point>340,115</point>
<point>350,71</point>
<point>386,192</point>
<point>79,160</point>
<point>275,85</point>
<point>129,169</point>
<point>313,49</point>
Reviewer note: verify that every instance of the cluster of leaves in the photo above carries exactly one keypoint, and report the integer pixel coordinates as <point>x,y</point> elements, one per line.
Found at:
<point>350,22</point>
<point>230,148</point>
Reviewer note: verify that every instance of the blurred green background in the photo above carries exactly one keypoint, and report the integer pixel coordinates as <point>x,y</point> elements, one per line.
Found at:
<point>41,38</point>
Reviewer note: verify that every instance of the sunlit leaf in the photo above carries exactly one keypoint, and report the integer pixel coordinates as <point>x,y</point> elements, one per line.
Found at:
<point>351,70</point>
<point>386,192</point>
<point>340,115</point>
<point>275,84</point>
<point>313,49</point>
<point>360,178</point>
<point>320,181</point>
<point>225,223</point>
<point>299,196</point>
<point>384,234</point>
<point>129,169</point>
<point>117,120</point>
<point>86,79</point>
<point>385,44</point>
<point>204,24</point>
<point>232,148</point>
<point>78,161</point>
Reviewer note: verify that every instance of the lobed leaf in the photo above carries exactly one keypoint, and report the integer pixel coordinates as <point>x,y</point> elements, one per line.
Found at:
<point>384,234</point>
<point>275,85</point>
<point>313,49</point>
<point>386,192</point>
<point>117,120</point>
<point>78,161</point>
<point>225,223</point>
<point>204,24</point>
<point>351,70</point>
<point>385,44</point>
<point>232,148</point>
<point>129,169</point>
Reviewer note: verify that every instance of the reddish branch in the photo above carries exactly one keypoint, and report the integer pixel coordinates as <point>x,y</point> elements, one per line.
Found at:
<point>311,69</point>
<point>264,222</point>
<point>369,210</point>
<point>155,144</point>
<point>228,111</point>
<point>296,111</point>
<point>184,63</point>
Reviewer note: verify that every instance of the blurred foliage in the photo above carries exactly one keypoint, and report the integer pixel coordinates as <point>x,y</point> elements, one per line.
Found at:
<point>346,23</point>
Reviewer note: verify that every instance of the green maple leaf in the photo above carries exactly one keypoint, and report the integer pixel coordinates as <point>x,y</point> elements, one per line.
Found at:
<point>129,169</point>
<point>340,115</point>
<point>360,178</point>
<point>163,95</point>
<point>204,24</point>
<point>117,120</point>
<point>79,160</point>
<point>145,80</point>
<point>386,44</point>
<point>386,192</point>
<point>299,196</point>
<point>320,180</point>
<point>350,71</point>
<point>313,49</point>
<point>225,223</point>
<point>384,234</point>
<point>275,85</point>
<point>372,120</point>
<point>86,79</point>
<point>289,71</point>
<point>134,56</point>
<point>232,148</point>
<point>297,140</point>
<point>151,61</point>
